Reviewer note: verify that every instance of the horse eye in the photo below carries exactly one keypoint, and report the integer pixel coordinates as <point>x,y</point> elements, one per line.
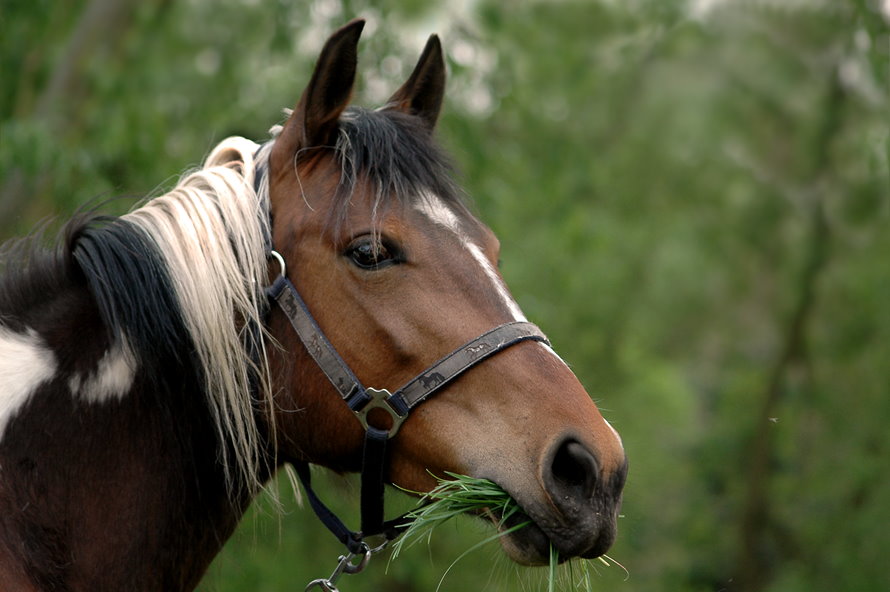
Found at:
<point>366,253</point>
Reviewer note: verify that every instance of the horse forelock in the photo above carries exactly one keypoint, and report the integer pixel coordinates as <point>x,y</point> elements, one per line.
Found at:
<point>396,155</point>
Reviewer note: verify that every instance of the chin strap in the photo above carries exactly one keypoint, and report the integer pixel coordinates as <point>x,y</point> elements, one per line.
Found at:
<point>362,401</point>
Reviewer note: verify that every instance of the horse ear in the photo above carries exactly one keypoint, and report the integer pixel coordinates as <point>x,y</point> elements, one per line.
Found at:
<point>314,119</point>
<point>423,91</point>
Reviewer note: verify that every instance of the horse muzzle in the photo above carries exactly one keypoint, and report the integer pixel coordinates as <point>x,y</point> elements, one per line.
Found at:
<point>575,512</point>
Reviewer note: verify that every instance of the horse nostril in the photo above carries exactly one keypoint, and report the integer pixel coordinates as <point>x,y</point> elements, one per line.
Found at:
<point>573,471</point>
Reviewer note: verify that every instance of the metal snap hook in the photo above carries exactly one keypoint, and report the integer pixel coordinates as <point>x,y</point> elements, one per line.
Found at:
<point>353,568</point>
<point>322,584</point>
<point>345,565</point>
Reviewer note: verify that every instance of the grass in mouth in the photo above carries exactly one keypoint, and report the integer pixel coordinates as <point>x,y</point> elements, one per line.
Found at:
<point>461,494</point>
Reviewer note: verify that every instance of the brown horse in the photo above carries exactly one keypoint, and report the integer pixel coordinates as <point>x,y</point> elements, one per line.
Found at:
<point>148,387</point>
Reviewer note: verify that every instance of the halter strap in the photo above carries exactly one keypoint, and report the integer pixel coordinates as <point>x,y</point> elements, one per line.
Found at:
<point>362,401</point>
<point>314,340</point>
<point>437,376</point>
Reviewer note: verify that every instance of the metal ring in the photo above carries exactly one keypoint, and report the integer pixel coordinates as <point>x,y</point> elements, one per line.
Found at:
<point>378,548</point>
<point>277,256</point>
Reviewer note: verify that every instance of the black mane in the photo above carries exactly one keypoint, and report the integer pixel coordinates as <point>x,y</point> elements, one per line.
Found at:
<point>33,268</point>
<point>114,260</point>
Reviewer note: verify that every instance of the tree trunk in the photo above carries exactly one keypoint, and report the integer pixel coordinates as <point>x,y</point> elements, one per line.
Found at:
<point>759,534</point>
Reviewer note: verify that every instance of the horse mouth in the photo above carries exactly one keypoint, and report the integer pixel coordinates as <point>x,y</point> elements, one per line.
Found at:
<point>523,540</point>
<point>527,542</point>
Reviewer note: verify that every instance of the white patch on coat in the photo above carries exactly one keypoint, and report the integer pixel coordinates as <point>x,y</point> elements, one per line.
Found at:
<point>439,213</point>
<point>25,363</point>
<point>112,378</point>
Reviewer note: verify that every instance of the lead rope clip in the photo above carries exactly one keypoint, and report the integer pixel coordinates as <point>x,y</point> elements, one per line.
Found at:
<point>346,566</point>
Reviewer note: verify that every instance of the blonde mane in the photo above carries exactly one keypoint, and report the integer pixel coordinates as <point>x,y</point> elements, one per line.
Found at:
<point>212,232</point>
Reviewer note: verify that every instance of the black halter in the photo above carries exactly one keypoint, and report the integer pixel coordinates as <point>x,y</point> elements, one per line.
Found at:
<point>362,401</point>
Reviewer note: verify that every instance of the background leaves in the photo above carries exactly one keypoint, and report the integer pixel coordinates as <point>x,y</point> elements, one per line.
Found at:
<point>692,197</point>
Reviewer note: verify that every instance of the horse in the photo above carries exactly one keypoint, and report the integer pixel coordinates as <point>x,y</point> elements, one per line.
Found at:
<point>150,385</point>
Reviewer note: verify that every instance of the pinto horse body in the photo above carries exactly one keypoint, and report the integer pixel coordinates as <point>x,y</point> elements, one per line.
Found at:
<point>148,389</point>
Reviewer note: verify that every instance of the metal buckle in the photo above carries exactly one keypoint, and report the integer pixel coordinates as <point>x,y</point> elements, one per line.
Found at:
<point>380,400</point>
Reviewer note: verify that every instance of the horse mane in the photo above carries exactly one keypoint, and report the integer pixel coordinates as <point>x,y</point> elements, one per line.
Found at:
<point>211,233</point>
<point>181,277</point>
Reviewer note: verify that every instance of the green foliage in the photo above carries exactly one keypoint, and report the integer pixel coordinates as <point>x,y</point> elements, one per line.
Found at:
<point>455,497</point>
<point>692,199</point>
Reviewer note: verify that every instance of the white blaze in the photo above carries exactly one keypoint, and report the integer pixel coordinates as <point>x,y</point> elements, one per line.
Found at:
<point>496,280</point>
<point>439,213</point>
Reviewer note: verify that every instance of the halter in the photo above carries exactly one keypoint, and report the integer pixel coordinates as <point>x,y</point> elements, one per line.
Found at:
<point>362,400</point>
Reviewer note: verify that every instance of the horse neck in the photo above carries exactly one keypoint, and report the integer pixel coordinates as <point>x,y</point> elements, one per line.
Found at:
<point>109,490</point>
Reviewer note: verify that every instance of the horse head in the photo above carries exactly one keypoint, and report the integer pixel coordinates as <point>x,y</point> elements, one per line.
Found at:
<point>398,272</point>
